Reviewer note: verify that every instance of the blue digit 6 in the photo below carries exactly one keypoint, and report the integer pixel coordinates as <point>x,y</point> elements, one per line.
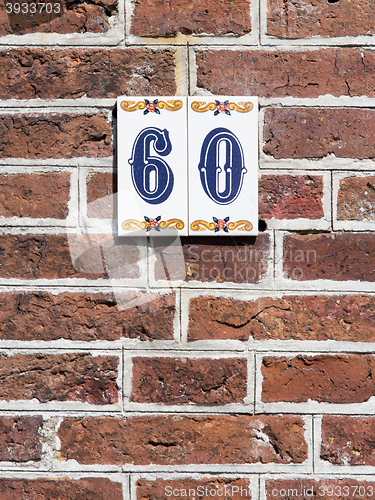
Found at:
<point>152,177</point>
<point>222,166</point>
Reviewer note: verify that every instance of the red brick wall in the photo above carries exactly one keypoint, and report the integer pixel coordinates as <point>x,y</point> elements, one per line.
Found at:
<point>233,368</point>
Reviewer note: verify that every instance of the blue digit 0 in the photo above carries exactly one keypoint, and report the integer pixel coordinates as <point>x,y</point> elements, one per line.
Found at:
<point>152,176</point>
<point>222,166</point>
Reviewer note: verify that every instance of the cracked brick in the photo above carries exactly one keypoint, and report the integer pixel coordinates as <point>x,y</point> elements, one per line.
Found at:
<point>20,439</point>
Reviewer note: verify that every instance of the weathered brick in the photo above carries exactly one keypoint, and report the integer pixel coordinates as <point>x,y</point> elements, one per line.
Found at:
<point>299,317</point>
<point>27,73</point>
<point>319,132</point>
<point>84,316</point>
<point>185,380</point>
<point>348,440</point>
<point>100,189</point>
<point>92,488</point>
<point>230,488</point>
<point>19,439</point>
<point>152,18</point>
<point>356,199</point>
<point>339,256</point>
<point>52,135</point>
<point>35,195</point>
<point>324,488</point>
<point>49,256</point>
<point>210,259</point>
<point>65,17</point>
<point>291,197</point>
<point>304,19</point>
<point>297,73</point>
<point>344,378</point>
<point>184,439</point>
<point>63,377</point>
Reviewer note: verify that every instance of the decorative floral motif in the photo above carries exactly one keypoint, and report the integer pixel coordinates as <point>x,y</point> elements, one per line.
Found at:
<point>221,224</point>
<point>221,107</point>
<point>152,223</point>
<point>151,107</point>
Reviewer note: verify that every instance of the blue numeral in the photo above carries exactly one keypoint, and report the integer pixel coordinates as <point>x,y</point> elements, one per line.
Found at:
<point>222,166</point>
<point>152,177</point>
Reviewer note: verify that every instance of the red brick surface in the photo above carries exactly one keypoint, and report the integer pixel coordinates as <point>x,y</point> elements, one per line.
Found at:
<point>348,440</point>
<point>35,195</point>
<point>291,197</point>
<point>19,439</point>
<point>183,439</point>
<point>319,132</point>
<point>84,316</point>
<point>356,199</point>
<point>296,73</point>
<point>29,73</point>
<point>344,378</point>
<point>299,317</point>
<point>100,188</point>
<point>184,380</point>
<point>346,256</point>
<point>152,18</point>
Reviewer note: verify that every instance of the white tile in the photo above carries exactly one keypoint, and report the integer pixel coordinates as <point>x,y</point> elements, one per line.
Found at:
<point>152,192</point>
<point>223,165</point>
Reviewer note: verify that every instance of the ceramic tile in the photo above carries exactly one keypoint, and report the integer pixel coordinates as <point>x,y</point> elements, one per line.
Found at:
<point>223,165</point>
<point>152,166</point>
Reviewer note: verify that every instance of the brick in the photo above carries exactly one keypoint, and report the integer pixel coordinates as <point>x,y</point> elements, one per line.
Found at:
<point>297,317</point>
<point>93,488</point>
<point>55,136</point>
<point>348,440</point>
<point>74,17</point>
<point>184,439</point>
<point>298,73</point>
<point>288,19</point>
<point>233,488</point>
<point>35,195</point>
<point>291,197</point>
<point>342,489</point>
<point>338,256</point>
<point>184,380</point>
<point>20,439</point>
<point>100,189</point>
<point>84,316</point>
<point>152,18</point>
<point>344,378</point>
<point>49,256</point>
<point>356,199</point>
<point>319,132</point>
<point>210,259</point>
<point>30,73</point>
<point>63,377</point>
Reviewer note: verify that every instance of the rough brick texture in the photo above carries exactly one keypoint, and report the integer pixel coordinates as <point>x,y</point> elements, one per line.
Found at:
<point>298,317</point>
<point>84,316</point>
<point>63,377</point>
<point>65,17</point>
<point>347,256</point>
<point>184,380</point>
<point>19,439</point>
<point>297,73</point>
<point>152,18</point>
<point>324,488</point>
<point>288,19</point>
<point>35,195</point>
<point>356,199</point>
<point>316,133</point>
<point>183,439</point>
<point>225,487</point>
<point>209,259</point>
<point>48,135</point>
<point>290,197</point>
<point>30,73</point>
<point>34,256</point>
<point>100,189</point>
<point>332,379</point>
<point>348,440</point>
